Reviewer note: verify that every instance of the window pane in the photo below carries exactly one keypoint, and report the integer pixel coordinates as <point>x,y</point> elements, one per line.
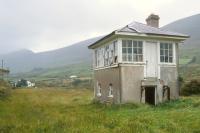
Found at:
<point>170,52</point>
<point>139,50</point>
<point>140,59</point>
<point>166,52</point>
<point>134,50</point>
<point>134,44</point>
<point>123,43</point>
<point>170,59</point>
<point>124,50</point>
<point>170,46</point>
<point>129,57</point>
<point>124,57</point>
<point>161,45</point>
<point>166,46</point>
<point>162,59</point>
<point>130,50</point>
<point>140,44</point>
<point>166,59</point>
<point>161,52</point>
<point>134,57</point>
<point>129,43</point>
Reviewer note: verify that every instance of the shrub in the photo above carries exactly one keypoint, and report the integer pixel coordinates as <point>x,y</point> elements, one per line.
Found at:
<point>191,88</point>
<point>4,89</point>
<point>76,82</point>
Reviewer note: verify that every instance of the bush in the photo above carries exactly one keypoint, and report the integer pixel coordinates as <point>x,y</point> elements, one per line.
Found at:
<point>76,82</point>
<point>4,89</point>
<point>191,88</point>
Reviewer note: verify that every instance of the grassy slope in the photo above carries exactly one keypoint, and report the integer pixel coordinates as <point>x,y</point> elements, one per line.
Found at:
<point>59,110</point>
<point>82,70</point>
<point>190,70</point>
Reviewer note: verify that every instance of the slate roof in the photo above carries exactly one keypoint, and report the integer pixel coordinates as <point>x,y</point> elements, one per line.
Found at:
<point>139,28</point>
<point>136,27</point>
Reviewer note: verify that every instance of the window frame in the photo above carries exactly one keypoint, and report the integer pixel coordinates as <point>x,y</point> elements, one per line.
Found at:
<point>138,55</point>
<point>164,49</point>
<point>107,55</point>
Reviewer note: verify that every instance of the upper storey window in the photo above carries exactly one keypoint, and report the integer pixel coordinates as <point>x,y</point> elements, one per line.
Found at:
<point>132,51</point>
<point>166,53</point>
<point>106,55</point>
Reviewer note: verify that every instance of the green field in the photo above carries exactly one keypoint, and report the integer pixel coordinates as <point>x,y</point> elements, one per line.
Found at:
<point>56,110</point>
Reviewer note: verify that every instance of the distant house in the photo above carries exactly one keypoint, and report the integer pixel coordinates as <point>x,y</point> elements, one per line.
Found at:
<point>73,77</point>
<point>24,83</point>
<point>137,63</point>
<point>30,84</point>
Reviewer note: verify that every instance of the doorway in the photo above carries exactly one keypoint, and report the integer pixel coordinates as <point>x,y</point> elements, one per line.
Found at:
<point>150,95</point>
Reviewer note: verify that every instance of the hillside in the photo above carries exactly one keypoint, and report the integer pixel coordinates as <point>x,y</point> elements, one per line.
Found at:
<point>26,60</point>
<point>190,51</point>
<point>189,25</point>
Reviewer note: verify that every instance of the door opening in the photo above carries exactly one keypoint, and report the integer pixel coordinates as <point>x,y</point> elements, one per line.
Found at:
<point>150,95</point>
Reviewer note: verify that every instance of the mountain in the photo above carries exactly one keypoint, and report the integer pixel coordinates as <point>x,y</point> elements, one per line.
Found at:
<point>190,26</point>
<point>26,60</point>
<point>189,52</point>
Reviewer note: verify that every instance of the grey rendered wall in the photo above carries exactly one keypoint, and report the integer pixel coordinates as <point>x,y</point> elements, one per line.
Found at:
<point>131,77</point>
<point>106,77</point>
<point>169,74</point>
<point>170,77</point>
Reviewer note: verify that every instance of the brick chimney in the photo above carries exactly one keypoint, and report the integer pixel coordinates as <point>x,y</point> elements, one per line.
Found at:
<point>153,20</point>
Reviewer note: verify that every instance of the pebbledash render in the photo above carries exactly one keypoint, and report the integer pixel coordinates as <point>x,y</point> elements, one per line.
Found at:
<point>137,63</point>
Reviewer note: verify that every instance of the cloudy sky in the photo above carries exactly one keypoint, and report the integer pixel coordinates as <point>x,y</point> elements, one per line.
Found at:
<point>42,25</point>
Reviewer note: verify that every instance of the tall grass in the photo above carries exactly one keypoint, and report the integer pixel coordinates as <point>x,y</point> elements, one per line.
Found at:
<point>71,111</point>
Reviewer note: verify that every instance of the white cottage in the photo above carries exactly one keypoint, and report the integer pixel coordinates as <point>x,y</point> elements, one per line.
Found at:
<point>137,63</point>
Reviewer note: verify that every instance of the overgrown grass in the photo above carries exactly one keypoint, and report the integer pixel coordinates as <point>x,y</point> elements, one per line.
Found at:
<point>71,111</point>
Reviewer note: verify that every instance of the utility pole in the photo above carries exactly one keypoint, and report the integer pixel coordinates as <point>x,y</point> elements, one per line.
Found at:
<point>2,68</point>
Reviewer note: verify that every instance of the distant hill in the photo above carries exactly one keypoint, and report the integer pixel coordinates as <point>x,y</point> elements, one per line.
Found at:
<point>190,26</point>
<point>26,60</point>
<point>190,51</point>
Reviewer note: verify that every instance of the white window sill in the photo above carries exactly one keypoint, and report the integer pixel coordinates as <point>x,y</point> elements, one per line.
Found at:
<point>167,64</point>
<point>128,62</point>
<point>99,68</point>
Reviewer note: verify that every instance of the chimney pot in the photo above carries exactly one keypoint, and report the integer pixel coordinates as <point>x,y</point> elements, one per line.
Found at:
<point>153,20</point>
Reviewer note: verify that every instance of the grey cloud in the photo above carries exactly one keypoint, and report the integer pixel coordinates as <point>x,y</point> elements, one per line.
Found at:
<point>49,24</point>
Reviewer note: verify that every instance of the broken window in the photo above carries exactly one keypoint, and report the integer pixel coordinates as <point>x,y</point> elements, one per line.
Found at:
<point>106,55</point>
<point>166,52</point>
<point>115,51</point>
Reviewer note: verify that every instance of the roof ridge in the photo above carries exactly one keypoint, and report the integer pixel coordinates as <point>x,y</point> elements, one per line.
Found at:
<point>129,26</point>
